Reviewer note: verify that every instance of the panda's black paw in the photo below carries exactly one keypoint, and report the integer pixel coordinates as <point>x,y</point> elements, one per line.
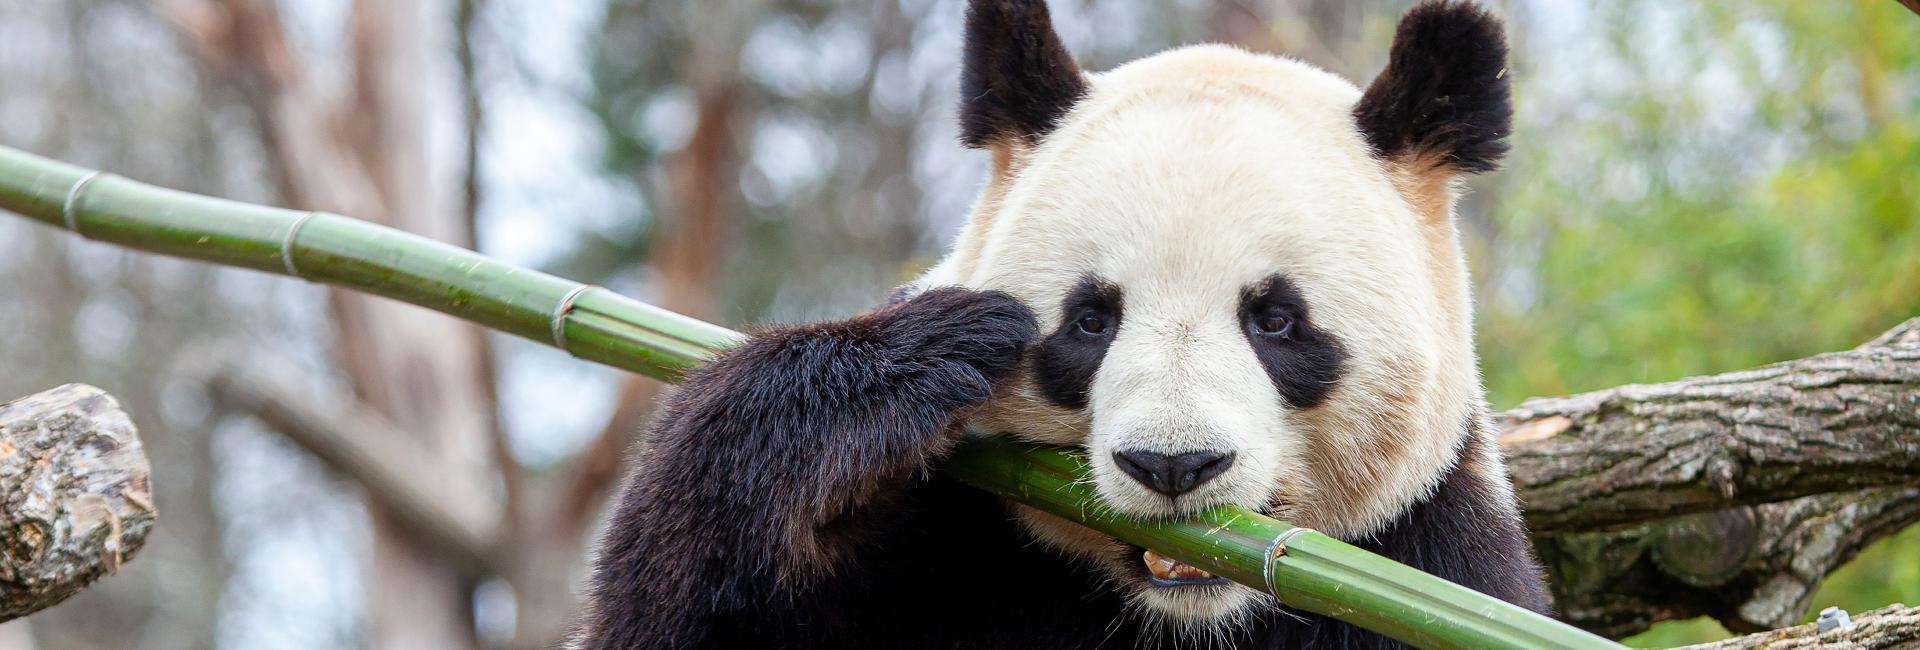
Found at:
<point>985,331</point>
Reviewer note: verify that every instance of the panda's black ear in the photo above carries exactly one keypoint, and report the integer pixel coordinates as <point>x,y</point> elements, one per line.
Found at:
<point>1444,98</point>
<point>1016,80</point>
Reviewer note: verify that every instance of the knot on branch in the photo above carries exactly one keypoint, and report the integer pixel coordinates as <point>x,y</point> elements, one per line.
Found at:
<point>75,502</point>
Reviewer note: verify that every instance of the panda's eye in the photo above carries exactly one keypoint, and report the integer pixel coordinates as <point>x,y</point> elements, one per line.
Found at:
<point>1091,324</point>
<point>1275,325</point>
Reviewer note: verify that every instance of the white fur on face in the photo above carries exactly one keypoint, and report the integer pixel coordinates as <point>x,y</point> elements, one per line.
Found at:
<point>1183,179</point>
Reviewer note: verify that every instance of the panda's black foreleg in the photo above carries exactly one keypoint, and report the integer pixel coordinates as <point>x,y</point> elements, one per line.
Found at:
<point>772,463</point>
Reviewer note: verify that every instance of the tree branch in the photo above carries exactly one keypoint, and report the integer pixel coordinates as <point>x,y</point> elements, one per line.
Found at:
<point>242,44</point>
<point>1628,489</point>
<point>356,442</point>
<point>1751,567</point>
<point>1827,423</point>
<point>75,502</point>
<point>359,148</point>
<point>1894,626</point>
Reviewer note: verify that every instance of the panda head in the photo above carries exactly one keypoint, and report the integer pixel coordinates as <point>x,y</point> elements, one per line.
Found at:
<point>1246,272</point>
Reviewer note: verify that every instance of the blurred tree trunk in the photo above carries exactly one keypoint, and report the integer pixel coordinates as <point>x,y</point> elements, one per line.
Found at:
<point>691,235</point>
<point>686,249</point>
<point>1325,33</point>
<point>1242,22</point>
<point>420,369</point>
<point>885,193</point>
<point>74,96</point>
<point>367,155</point>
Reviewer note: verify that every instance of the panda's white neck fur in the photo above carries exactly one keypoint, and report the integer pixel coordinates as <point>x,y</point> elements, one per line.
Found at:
<point>1389,431</point>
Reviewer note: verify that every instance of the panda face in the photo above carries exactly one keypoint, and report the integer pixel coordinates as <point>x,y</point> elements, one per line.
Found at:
<point>1241,303</point>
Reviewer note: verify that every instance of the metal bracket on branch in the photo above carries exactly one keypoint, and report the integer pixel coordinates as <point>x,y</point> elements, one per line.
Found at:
<point>1894,626</point>
<point>75,503</point>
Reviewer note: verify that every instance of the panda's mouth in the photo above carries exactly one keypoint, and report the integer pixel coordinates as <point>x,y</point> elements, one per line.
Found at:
<point>1166,572</point>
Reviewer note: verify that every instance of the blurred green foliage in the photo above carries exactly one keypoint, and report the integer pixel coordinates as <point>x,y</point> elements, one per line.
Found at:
<point>1712,186</point>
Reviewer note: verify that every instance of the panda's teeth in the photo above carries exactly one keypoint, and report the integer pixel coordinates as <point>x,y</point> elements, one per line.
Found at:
<point>1166,568</point>
<point>1188,572</point>
<point>1159,565</point>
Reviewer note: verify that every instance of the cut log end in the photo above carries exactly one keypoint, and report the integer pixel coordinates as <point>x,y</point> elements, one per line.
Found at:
<point>75,503</point>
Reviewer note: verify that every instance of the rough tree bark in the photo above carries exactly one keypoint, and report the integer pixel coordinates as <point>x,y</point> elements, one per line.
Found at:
<point>1751,567</point>
<point>1827,423</point>
<point>1655,467</point>
<point>75,502</point>
<point>1894,626</point>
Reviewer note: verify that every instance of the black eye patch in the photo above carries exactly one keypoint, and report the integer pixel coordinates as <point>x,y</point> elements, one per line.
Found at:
<point>1303,361</point>
<point>1065,361</point>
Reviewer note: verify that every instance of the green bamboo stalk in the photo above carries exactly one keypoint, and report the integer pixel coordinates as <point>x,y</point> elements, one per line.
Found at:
<point>1303,568</point>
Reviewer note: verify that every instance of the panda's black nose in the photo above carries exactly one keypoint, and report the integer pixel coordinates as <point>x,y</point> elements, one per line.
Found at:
<point>1172,474</point>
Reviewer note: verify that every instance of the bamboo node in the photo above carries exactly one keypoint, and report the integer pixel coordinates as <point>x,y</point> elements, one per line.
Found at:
<point>1276,549</point>
<point>286,244</point>
<point>560,312</point>
<point>68,212</point>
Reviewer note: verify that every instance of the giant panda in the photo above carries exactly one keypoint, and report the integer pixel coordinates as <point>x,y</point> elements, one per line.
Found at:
<point>1228,278</point>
